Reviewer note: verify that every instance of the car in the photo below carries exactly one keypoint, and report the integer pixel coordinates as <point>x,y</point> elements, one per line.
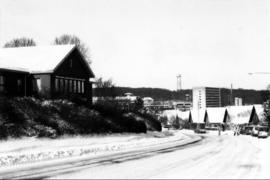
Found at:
<point>255,131</point>
<point>248,130</point>
<point>167,126</point>
<point>243,130</point>
<point>213,128</point>
<point>200,131</point>
<point>263,132</point>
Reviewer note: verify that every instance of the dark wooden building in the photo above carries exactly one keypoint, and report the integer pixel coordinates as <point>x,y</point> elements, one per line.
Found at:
<point>58,71</point>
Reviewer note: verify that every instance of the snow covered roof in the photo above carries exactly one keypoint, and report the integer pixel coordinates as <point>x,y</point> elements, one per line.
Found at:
<point>239,114</point>
<point>216,114</point>
<point>259,110</point>
<point>35,58</point>
<point>183,115</point>
<point>197,115</point>
<point>148,99</point>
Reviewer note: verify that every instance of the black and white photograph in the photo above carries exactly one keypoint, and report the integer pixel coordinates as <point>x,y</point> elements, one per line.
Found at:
<point>134,89</point>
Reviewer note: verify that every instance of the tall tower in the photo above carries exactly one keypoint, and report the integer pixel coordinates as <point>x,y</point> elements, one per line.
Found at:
<point>179,82</point>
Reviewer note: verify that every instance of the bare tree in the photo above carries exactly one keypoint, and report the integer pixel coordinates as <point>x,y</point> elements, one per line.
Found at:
<point>104,88</point>
<point>72,39</point>
<point>20,42</point>
<point>100,83</point>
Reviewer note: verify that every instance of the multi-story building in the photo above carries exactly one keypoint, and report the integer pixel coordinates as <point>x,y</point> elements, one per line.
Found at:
<point>204,97</point>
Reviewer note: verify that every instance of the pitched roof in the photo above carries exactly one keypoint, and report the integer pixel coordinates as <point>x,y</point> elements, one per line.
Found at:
<point>35,58</point>
<point>239,114</point>
<point>183,115</point>
<point>260,111</point>
<point>216,114</point>
<point>197,116</point>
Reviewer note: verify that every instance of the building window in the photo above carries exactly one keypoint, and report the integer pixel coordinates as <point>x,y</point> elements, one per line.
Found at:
<point>19,85</point>
<point>79,86</point>
<point>61,88</point>
<point>75,86</point>
<point>82,87</point>
<point>2,84</point>
<point>70,86</point>
<point>66,85</point>
<point>56,84</point>
<point>36,84</point>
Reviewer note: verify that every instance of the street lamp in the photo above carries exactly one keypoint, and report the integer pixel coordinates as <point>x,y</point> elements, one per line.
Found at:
<point>251,73</point>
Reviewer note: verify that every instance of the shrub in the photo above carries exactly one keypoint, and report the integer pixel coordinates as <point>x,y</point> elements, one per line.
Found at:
<point>151,121</point>
<point>51,118</point>
<point>176,123</point>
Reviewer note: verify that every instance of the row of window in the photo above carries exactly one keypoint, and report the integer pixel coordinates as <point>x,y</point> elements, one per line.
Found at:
<point>61,85</point>
<point>69,85</point>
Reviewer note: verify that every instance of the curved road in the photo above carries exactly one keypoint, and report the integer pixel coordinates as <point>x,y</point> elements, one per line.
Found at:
<point>223,156</point>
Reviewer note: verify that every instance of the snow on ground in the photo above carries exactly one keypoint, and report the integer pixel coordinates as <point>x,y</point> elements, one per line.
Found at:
<point>13,152</point>
<point>263,156</point>
<point>215,157</point>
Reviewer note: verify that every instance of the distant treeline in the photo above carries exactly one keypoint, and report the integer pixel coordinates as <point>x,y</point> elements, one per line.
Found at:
<point>249,96</point>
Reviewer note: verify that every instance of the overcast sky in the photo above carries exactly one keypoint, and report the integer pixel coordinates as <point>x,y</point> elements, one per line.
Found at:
<point>146,43</point>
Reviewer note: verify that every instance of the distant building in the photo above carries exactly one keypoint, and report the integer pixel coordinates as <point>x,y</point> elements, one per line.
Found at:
<point>127,96</point>
<point>182,105</point>
<point>147,101</point>
<point>204,97</point>
<point>238,101</point>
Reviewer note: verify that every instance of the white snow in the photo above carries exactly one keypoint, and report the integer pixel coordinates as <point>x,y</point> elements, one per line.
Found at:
<point>171,115</point>
<point>216,115</point>
<point>239,114</point>
<point>216,157</point>
<point>198,115</point>
<point>35,58</point>
<point>32,150</point>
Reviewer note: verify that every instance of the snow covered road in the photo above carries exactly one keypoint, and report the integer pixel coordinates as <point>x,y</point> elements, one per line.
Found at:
<point>224,156</point>
<point>119,148</point>
<point>215,156</point>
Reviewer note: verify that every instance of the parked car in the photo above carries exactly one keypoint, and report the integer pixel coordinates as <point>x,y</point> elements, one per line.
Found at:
<point>212,127</point>
<point>200,131</point>
<point>263,132</point>
<point>255,131</point>
<point>167,126</point>
<point>243,130</point>
<point>248,130</point>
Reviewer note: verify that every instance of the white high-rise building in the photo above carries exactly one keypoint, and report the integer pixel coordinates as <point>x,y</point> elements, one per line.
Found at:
<point>204,97</point>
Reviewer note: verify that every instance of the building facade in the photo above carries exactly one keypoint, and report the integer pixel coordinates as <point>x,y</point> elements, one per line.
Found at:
<point>204,97</point>
<point>53,72</point>
<point>238,101</point>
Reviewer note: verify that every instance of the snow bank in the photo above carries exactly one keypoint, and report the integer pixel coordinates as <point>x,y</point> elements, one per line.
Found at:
<point>33,150</point>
